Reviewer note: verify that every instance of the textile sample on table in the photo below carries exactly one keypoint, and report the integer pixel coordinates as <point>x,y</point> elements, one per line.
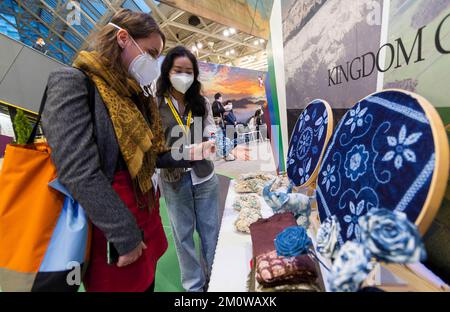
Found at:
<point>252,183</point>
<point>254,286</point>
<point>298,204</point>
<point>247,201</point>
<point>265,231</point>
<point>282,183</point>
<point>272,270</point>
<point>247,217</point>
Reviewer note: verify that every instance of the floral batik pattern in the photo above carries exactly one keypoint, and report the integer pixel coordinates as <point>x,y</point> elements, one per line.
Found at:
<point>382,154</point>
<point>307,143</point>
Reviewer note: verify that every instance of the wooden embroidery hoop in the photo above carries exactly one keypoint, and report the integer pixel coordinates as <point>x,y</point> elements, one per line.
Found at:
<point>310,185</point>
<point>413,281</point>
<point>439,179</point>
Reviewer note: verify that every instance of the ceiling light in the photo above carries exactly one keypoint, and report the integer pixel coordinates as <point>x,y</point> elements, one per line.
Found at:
<point>194,48</point>
<point>262,41</point>
<point>200,45</point>
<point>256,42</point>
<point>232,51</point>
<point>232,31</point>
<point>227,53</point>
<point>226,33</point>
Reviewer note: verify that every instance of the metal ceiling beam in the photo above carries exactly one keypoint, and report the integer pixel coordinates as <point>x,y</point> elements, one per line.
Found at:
<point>218,29</point>
<point>38,19</point>
<point>193,29</point>
<point>205,33</point>
<point>155,9</point>
<point>88,17</point>
<point>204,24</point>
<point>110,5</point>
<point>23,32</point>
<point>63,20</point>
<point>114,6</point>
<point>172,17</point>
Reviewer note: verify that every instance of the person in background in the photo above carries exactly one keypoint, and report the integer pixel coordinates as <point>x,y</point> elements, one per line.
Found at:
<point>259,120</point>
<point>230,117</point>
<point>191,194</point>
<point>230,122</point>
<point>105,155</point>
<point>40,45</point>
<point>219,112</point>
<point>218,109</point>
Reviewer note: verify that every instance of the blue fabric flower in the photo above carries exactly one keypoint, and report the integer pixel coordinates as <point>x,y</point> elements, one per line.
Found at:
<point>391,237</point>
<point>327,237</point>
<point>292,242</point>
<point>356,162</point>
<point>350,269</point>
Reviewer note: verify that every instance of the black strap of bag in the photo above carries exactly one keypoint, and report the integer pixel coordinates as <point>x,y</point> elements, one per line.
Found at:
<point>91,101</point>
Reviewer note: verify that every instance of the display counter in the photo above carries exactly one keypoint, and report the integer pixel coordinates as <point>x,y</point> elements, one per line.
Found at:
<point>232,261</point>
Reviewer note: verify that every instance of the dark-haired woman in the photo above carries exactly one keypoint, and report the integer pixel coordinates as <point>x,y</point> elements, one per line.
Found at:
<point>106,154</point>
<point>192,194</point>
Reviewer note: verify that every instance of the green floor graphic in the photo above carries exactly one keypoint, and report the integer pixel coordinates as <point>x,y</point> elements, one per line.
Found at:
<point>168,276</point>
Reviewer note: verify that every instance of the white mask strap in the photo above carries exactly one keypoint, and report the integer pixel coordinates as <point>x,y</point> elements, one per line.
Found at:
<point>120,28</point>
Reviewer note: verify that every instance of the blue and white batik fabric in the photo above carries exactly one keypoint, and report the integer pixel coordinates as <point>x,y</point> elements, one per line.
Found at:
<point>307,142</point>
<point>382,154</point>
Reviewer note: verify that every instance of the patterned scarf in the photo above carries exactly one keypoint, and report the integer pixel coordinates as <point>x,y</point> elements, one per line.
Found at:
<point>139,142</point>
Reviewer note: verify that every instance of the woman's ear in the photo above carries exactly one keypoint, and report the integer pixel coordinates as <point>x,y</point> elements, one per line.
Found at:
<point>122,38</point>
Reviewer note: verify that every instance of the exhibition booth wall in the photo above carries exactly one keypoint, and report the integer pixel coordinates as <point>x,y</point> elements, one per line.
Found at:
<point>342,51</point>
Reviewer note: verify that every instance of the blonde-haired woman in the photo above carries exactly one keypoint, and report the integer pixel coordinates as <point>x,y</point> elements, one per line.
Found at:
<point>106,155</point>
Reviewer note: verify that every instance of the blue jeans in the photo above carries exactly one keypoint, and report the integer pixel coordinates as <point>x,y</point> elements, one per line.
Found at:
<point>193,207</point>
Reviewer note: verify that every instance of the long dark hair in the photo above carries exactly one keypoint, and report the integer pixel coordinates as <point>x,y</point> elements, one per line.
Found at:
<point>193,98</point>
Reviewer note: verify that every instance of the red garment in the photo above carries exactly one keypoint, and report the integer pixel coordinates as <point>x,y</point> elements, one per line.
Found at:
<point>138,276</point>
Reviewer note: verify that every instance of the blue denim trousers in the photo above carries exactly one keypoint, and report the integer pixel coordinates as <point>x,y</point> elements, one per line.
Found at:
<point>194,207</point>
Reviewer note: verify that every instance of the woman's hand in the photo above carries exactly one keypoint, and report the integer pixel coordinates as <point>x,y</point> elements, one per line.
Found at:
<point>132,256</point>
<point>241,153</point>
<point>205,150</point>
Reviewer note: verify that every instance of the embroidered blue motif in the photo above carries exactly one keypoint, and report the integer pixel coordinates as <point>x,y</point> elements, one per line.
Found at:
<point>402,148</point>
<point>381,154</point>
<point>307,142</point>
<point>356,162</point>
<point>329,177</point>
<point>356,118</point>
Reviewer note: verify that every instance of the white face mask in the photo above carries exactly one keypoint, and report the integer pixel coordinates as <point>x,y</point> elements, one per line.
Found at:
<point>182,82</point>
<point>144,68</point>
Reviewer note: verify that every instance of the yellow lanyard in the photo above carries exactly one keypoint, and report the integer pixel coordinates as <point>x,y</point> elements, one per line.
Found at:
<point>177,116</point>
